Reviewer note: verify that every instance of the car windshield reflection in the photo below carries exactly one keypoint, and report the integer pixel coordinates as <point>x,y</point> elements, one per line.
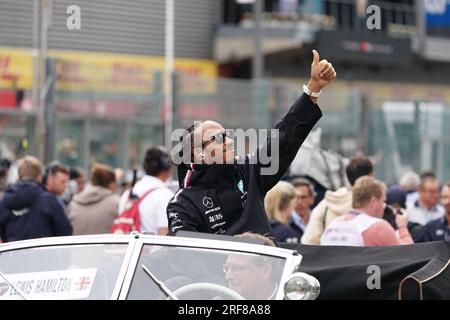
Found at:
<point>141,267</point>
<point>195,273</point>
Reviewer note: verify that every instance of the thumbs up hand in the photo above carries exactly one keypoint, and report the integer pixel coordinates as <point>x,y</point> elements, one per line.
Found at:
<point>322,73</point>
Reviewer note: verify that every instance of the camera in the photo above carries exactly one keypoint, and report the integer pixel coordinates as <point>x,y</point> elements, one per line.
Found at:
<point>389,215</point>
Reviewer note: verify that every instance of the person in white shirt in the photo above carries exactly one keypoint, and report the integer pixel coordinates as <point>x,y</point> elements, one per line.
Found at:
<point>152,209</point>
<point>427,207</point>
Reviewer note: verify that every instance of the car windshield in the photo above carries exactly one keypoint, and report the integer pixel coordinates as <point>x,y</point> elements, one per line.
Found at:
<point>87,271</point>
<point>196,273</point>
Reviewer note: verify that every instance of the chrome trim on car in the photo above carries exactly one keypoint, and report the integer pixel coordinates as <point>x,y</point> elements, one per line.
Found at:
<point>39,242</point>
<point>132,265</point>
<point>217,244</point>
<point>123,270</point>
<point>135,243</point>
<point>292,262</point>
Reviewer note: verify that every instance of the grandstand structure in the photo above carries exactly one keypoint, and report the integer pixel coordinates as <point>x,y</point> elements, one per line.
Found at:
<point>392,95</point>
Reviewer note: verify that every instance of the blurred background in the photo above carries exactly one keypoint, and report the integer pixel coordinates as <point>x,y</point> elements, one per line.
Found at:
<point>106,91</point>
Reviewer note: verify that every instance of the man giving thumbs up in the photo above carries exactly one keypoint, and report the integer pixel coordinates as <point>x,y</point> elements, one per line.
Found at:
<point>220,193</point>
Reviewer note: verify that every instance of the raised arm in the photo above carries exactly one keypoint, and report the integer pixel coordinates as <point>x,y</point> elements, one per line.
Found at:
<point>294,127</point>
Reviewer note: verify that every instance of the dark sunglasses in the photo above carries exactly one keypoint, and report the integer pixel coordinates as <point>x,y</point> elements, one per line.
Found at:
<point>219,137</point>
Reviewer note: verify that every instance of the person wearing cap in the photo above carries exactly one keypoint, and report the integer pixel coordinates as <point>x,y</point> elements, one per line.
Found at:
<point>224,195</point>
<point>27,210</point>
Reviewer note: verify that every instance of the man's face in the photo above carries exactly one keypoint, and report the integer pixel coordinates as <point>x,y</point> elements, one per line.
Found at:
<point>245,277</point>
<point>215,148</point>
<point>304,200</point>
<point>429,193</point>
<point>445,199</point>
<point>57,183</point>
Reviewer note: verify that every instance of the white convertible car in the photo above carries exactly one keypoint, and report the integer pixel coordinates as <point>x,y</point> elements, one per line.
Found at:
<point>140,266</point>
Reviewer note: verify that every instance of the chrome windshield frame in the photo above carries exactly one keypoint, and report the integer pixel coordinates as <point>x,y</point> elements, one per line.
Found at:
<point>292,258</point>
<point>136,241</point>
<point>127,240</point>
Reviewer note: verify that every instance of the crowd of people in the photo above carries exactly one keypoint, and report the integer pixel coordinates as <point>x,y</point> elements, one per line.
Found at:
<point>415,210</point>
<point>58,200</point>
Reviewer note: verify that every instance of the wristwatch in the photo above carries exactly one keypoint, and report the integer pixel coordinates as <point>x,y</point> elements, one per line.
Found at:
<point>310,93</point>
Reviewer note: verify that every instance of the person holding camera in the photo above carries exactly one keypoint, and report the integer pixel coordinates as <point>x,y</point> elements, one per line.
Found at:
<point>363,225</point>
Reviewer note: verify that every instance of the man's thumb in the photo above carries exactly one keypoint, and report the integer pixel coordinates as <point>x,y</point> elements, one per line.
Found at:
<point>316,57</point>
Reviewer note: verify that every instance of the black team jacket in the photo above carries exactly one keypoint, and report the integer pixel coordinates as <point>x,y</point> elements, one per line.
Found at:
<point>229,198</point>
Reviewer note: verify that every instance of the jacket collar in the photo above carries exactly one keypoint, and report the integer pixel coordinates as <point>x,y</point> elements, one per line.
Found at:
<point>206,175</point>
